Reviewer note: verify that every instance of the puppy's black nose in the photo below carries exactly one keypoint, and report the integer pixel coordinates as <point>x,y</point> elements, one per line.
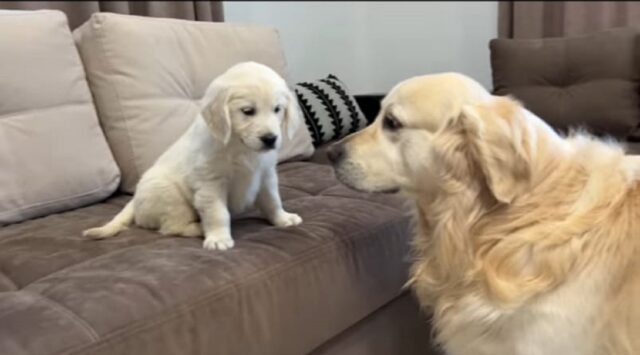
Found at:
<point>269,140</point>
<point>335,153</point>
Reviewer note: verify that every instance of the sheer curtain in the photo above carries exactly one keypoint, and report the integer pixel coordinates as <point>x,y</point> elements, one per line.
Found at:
<point>80,11</point>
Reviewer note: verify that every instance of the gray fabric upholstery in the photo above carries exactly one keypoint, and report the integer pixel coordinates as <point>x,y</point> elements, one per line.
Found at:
<point>279,291</point>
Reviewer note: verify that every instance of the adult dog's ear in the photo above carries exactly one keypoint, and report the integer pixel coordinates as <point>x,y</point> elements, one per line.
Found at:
<point>214,109</point>
<point>292,115</point>
<point>502,143</point>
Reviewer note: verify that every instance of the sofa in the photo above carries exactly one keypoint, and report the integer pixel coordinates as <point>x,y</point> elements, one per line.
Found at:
<point>82,115</point>
<point>588,82</point>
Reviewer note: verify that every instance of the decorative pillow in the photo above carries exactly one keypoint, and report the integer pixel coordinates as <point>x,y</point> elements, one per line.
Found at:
<point>589,80</point>
<point>147,75</point>
<point>53,154</point>
<point>330,111</point>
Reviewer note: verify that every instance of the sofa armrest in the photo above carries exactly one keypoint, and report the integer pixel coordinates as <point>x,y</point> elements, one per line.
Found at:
<point>369,104</point>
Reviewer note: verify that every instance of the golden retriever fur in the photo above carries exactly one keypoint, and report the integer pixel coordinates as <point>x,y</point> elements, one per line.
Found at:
<point>527,242</point>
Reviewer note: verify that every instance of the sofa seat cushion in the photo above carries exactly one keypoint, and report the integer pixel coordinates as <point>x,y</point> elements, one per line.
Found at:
<point>588,80</point>
<point>147,76</point>
<point>278,291</point>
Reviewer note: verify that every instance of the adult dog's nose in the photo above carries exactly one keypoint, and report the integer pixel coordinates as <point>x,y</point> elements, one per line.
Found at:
<point>269,140</point>
<point>335,153</point>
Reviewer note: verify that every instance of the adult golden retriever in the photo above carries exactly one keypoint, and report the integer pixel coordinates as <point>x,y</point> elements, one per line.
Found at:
<point>527,242</point>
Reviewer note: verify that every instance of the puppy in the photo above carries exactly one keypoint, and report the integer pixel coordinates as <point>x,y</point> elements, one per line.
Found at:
<point>223,164</point>
<point>527,242</point>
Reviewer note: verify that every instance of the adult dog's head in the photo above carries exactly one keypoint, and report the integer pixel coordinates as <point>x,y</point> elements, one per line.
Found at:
<point>252,105</point>
<point>387,155</point>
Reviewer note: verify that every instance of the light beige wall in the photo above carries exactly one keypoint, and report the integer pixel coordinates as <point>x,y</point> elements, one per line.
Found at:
<point>373,45</point>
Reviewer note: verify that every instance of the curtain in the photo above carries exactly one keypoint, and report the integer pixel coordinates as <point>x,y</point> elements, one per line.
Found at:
<point>80,11</point>
<point>538,19</point>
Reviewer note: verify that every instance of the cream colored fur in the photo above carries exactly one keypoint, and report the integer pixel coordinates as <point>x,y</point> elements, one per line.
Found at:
<point>220,166</point>
<point>527,242</point>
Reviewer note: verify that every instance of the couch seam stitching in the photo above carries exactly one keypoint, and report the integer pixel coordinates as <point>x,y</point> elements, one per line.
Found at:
<point>93,336</point>
<point>99,257</point>
<point>50,202</point>
<point>12,114</point>
<point>12,283</point>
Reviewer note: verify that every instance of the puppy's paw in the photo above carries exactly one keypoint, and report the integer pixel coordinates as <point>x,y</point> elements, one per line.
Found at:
<point>286,219</point>
<point>218,242</point>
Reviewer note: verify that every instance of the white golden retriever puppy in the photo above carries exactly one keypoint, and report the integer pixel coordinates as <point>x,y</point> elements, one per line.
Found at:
<point>527,242</point>
<point>223,164</point>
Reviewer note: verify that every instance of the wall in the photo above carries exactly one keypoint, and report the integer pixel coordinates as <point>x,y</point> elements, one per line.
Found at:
<point>373,45</point>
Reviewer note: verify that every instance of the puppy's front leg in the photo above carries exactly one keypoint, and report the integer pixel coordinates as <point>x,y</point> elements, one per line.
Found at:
<point>269,202</point>
<point>215,219</point>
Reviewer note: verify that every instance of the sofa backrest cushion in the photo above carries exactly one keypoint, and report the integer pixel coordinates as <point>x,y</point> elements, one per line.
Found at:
<point>147,74</point>
<point>588,80</point>
<point>53,154</point>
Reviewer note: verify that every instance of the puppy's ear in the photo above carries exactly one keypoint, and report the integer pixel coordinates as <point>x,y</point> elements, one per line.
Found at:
<point>214,109</point>
<point>501,142</point>
<point>292,115</point>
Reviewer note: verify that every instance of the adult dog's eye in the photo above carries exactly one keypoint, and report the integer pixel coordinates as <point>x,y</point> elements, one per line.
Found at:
<point>391,123</point>
<point>277,109</point>
<point>249,111</point>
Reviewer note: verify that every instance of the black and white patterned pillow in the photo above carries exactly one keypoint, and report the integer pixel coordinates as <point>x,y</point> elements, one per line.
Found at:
<point>329,110</point>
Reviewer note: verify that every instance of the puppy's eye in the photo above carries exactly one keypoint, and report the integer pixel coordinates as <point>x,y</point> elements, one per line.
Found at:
<point>391,123</point>
<point>249,111</point>
<point>277,109</point>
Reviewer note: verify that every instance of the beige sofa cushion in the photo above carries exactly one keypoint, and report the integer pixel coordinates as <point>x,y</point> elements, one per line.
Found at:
<point>146,75</point>
<point>53,154</point>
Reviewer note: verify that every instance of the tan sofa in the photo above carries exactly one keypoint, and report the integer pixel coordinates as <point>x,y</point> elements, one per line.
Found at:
<point>80,120</point>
